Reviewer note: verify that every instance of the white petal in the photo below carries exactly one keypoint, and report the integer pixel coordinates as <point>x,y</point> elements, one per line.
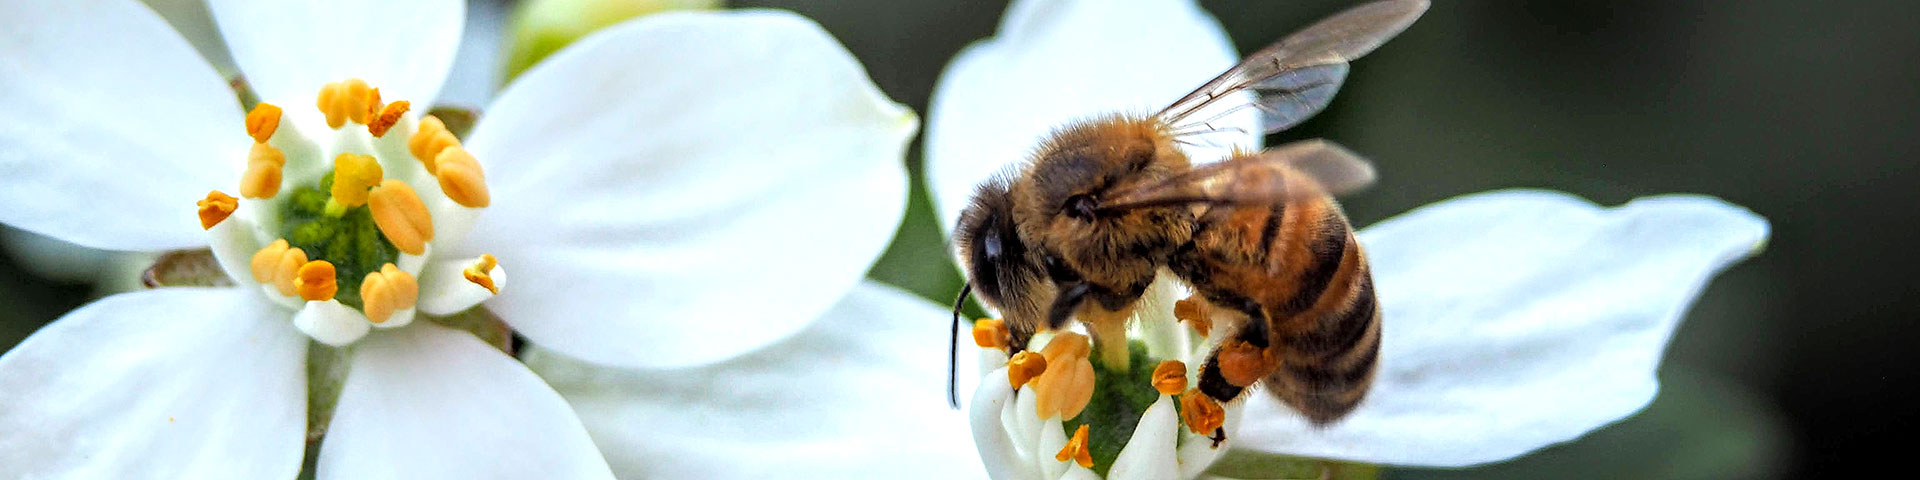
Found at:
<point>1052,438</point>
<point>1060,61</point>
<point>331,323</point>
<point>650,177</point>
<point>1077,472</point>
<point>999,449</point>
<point>445,290</point>
<point>169,383</point>
<point>287,50</point>
<point>233,242</point>
<point>110,126</point>
<point>859,394</point>
<point>1516,320</point>
<point>1197,451</point>
<point>1149,454</point>
<point>427,401</point>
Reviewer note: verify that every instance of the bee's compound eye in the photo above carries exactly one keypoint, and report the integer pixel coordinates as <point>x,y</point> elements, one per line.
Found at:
<point>1080,207</point>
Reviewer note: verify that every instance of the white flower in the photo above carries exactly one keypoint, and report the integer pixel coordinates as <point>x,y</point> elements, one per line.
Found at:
<point>1512,320</point>
<point>635,183</point>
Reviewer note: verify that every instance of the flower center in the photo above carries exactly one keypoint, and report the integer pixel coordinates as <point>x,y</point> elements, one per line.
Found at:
<point>348,222</point>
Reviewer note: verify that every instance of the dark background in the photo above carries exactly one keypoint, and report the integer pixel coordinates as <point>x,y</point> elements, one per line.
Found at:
<point>1796,362</point>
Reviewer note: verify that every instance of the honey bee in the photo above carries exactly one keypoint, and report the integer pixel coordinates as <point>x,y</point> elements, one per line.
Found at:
<point>1082,228</point>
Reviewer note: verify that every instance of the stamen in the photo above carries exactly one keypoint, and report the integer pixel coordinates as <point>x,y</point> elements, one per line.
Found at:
<point>1077,449</point>
<point>216,208</point>
<point>266,259</point>
<point>264,164</point>
<point>1241,363</point>
<point>1202,414</point>
<point>402,218</point>
<point>1195,311</point>
<point>1024,367</point>
<point>277,264</point>
<point>460,177</point>
<point>315,281</point>
<point>481,272</point>
<point>353,174</point>
<point>429,139</point>
<point>263,121</point>
<point>387,291</point>
<point>348,100</point>
<point>1170,378</point>
<point>990,333</point>
<point>388,116</point>
<point>1067,385</point>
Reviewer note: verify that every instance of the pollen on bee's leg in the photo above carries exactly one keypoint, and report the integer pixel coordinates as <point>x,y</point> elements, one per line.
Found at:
<point>1170,378</point>
<point>990,333</point>
<point>386,292</point>
<point>315,281</point>
<point>1242,363</point>
<point>262,178</point>
<point>1201,414</point>
<point>1077,449</point>
<point>263,121</point>
<point>1025,367</point>
<point>1067,385</point>
<point>387,117</point>
<point>1194,311</point>
<point>216,208</point>
<point>460,177</point>
<point>353,176</point>
<point>401,216</point>
<point>429,139</point>
<point>482,272</point>
<point>347,100</point>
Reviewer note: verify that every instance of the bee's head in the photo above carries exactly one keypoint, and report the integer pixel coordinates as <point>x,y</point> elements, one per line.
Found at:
<point>1004,272</point>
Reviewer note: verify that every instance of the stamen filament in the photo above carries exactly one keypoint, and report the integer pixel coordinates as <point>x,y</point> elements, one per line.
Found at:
<point>216,208</point>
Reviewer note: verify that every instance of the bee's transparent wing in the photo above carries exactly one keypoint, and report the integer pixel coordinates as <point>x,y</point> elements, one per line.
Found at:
<point>1252,179</point>
<point>1295,78</point>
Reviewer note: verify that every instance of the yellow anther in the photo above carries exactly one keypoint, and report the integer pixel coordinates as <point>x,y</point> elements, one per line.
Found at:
<point>352,100</point>
<point>216,208</point>
<point>387,291</point>
<point>1241,363</point>
<point>990,333</point>
<point>429,139</point>
<point>1194,310</point>
<point>460,177</point>
<point>1077,449</point>
<point>402,218</point>
<point>315,281</point>
<point>277,264</point>
<point>1067,385</point>
<point>263,121</point>
<point>1202,414</point>
<point>478,273</point>
<point>262,179</point>
<point>353,174</point>
<point>1024,367</point>
<point>388,116</point>
<point>1170,378</point>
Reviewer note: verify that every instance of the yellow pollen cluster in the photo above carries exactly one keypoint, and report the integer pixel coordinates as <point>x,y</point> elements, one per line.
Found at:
<point>459,173</point>
<point>216,208</point>
<point>315,281</point>
<point>277,265</point>
<point>387,291</point>
<point>1067,385</point>
<point>1202,414</point>
<point>1024,367</point>
<point>1170,378</point>
<point>347,100</point>
<point>990,333</point>
<point>478,273</point>
<point>402,218</point>
<point>1194,311</point>
<point>353,175</point>
<point>1077,449</point>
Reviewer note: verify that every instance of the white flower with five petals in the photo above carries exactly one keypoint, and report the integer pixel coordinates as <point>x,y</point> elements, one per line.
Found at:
<point>633,182</point>
<point>1512,320</point>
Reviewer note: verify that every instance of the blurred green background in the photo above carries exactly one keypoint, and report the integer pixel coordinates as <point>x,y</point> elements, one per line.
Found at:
<point>1798,362</point>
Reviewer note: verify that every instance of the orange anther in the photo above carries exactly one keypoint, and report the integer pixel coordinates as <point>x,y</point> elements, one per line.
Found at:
<point>1024,367</point>
<point>480,272</point>
<point>267,260</point>
<point>315,281</point>
<point>429,139</point>
<point>352,100</point>
<point>1170,378</point>
<point>387,291</point>
<point>1067,385</point>
<point>262,179</point>
<point>990,333</point>
<point>460,177</point>
<point>216,208</point>
<point>1202,414</point>
<point>1195,311</point>
<point>387,117</point>
<point>1077,449</point>
<point>263,121</point>
<point>402,218</point>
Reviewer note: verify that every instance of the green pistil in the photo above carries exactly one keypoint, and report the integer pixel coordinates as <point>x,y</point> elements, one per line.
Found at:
<point>351,241</point>
<point>1119,398</point>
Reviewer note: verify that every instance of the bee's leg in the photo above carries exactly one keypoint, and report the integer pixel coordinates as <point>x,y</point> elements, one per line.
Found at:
<point>1214,384</point>
<point>1254,334</point>
<point>1064,304</point>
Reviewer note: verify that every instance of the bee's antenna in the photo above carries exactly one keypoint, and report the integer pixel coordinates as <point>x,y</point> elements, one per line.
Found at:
<point>953,349</point>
